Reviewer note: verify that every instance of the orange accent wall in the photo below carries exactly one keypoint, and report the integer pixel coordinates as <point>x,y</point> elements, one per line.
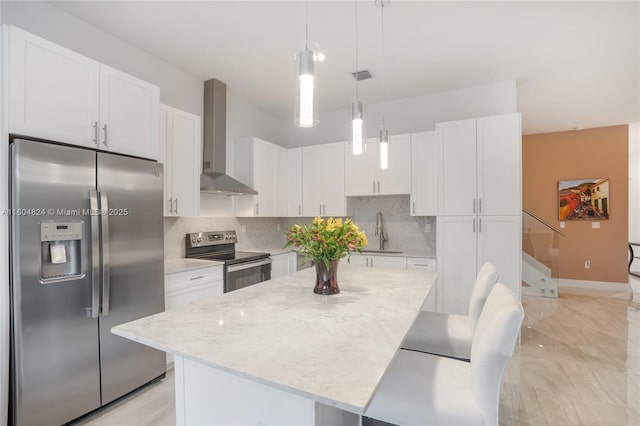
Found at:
<point>591,153</point>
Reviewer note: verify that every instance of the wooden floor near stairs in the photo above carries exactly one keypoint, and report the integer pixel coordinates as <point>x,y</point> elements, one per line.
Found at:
<point>578,364</point>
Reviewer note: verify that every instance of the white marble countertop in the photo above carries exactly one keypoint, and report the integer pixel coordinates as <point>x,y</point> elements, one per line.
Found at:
<point>171,266</point>
<point>331,349</point>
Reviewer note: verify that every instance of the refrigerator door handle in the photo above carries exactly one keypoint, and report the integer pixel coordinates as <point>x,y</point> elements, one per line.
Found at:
<point>104,217</point>
<point>95,254</point>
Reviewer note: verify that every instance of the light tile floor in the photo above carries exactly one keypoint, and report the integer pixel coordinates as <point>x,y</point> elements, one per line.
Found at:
<point>578,364</point>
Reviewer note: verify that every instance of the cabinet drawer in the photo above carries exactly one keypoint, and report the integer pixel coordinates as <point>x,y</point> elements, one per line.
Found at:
<point>421,263</point>
<point>182,280</point>
<point>191,294</point>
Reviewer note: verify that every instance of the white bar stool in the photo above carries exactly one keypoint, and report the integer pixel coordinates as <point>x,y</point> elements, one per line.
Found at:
<point>449,334</point>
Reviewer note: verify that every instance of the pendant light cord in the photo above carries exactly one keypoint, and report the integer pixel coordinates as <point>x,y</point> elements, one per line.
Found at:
<point>357,76</point>
<point>306,26</point>
<point>384,73</point>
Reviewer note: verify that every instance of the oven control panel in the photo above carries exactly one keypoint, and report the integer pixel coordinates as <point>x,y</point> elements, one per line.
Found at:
<point>200,239</point>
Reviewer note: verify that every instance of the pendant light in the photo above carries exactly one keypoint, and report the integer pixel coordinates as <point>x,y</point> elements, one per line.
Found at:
<point>356,107</point>
<point>306,107</point>
<point>384,132</point>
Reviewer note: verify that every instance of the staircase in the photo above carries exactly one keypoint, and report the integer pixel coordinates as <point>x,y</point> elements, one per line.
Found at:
<point>540,256</point>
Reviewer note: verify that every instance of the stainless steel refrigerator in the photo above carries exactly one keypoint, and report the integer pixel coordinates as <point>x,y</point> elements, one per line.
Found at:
<point>86,255</point>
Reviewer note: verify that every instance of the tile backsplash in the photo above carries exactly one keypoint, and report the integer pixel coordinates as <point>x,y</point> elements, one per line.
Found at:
<point>405,232</point>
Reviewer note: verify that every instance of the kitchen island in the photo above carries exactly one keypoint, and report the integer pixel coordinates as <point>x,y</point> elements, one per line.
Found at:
<point>275,353</point>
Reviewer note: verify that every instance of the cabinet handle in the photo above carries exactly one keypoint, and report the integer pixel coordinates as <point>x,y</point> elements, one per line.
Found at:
<point>474,205</point>
<point>320,209</point>
<point>378,187</point>
<point>366,259</point>
<point>480,205</point>
<point>257,208</point>
<point>374,186</point>
<point>299,210</point>
<point>474,224</point>
<point>105,135</point>
<point>420,264</point>
<point>479,224</point>
<point>199,277</point>
<point>414,207</point>
<point>372,262</point>
<point>95,132</point>
<point>176,210</point>
<point>170,205</point>
<point>324,209</point>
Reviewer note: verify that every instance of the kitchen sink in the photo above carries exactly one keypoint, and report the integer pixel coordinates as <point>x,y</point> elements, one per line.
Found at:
<point>382,251</point>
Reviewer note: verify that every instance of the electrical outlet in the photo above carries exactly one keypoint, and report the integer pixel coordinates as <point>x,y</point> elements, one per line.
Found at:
<point>587,264</point>
<point>244,228</point>
<point>561,224</point>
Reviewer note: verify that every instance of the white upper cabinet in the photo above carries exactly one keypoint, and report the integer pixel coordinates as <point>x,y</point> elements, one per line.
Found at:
<point>294,182</point>
<point>60,95</point>
<point>424,174</point>
<point>499,165</point>
<point>180,152</point>
<point>396,179</point>
<point>360,174</point>
<point>256,163</point>
<point>363,175</point>
<point>128,114</point>
<point>323,180</point>
<point>480,164</point>
<point>457,150</point>
<point>282,160</point>
<point>53,91</point>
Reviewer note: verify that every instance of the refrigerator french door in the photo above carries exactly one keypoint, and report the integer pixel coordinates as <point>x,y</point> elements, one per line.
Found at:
<point>86,255</point>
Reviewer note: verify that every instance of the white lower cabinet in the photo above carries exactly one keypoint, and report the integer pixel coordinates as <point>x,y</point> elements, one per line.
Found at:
<point>389,262</point>
<point>464,244</point>
<point>283,264</point>
<point>185,288</point>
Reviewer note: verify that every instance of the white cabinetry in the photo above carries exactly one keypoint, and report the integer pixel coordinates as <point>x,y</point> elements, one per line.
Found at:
<point>180,150</point>
<point>128,114</point>
<point>388,262</point>
<point>424,174</point>
<point>294,182</point>
<point>323,180</point>
<point>420,263</point>
<point>363,175</point>
<point>479,206</point>
<point>58,94</point>
<point>480,166</point>
<point>257,166</point>
<point>283,264</point>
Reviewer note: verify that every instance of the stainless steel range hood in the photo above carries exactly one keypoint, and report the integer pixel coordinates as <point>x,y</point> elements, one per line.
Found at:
<point>214,179</point>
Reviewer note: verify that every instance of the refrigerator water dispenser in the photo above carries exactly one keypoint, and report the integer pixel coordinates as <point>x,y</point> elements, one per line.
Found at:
<point>61,246</point>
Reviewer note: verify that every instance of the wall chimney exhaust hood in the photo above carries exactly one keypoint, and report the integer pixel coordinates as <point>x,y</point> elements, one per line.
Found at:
<point>214,179</point>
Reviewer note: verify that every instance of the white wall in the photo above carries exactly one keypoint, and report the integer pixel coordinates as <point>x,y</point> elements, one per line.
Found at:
<point>408,115</point>
<point>634,182</point>
<point>178,88</point>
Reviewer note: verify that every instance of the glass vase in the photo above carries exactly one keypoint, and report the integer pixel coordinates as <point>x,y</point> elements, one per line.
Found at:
<point>327,278</point>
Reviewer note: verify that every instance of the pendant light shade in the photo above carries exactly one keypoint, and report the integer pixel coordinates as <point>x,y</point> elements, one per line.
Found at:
<point>306,108</point>
<point>356,125</point>
<point>357,135</point>
<point>384,148</point>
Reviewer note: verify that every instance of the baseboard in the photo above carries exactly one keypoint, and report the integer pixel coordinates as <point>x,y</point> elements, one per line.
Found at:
<point>604,288</point>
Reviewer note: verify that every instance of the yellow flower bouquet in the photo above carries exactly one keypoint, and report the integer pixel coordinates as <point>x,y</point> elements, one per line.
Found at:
<point>325,242</point>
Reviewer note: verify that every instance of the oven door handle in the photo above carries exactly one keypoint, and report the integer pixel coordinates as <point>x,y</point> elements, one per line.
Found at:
<point>248,265</point>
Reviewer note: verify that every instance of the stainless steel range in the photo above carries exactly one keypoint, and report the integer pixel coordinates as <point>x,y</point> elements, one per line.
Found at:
<point>241,268</point>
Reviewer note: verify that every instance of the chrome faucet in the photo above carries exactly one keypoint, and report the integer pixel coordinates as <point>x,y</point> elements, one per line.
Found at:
<point>380,230</point>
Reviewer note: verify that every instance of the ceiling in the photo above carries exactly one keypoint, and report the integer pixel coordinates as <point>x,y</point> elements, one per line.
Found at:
<point>576,64</point>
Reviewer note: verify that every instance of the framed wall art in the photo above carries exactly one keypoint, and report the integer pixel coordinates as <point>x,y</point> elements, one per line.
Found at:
<point>583,199</point>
